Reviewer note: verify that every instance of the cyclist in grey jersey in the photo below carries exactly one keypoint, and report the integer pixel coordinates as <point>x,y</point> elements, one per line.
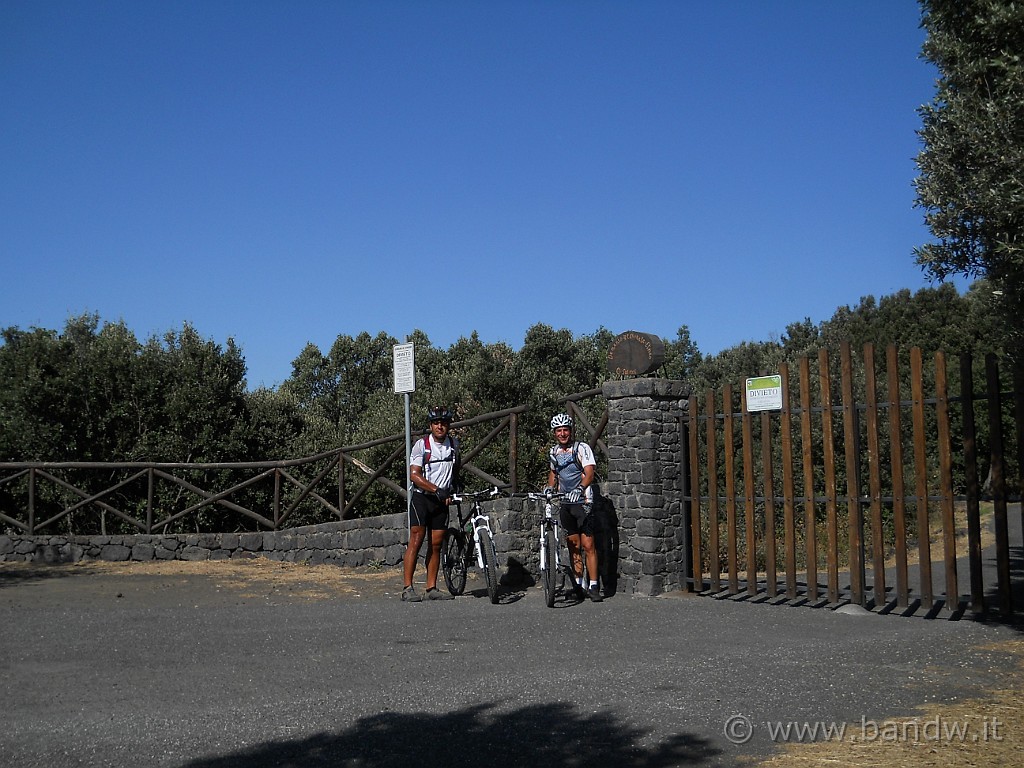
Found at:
<point>570,474</point>
<point>571,467</point>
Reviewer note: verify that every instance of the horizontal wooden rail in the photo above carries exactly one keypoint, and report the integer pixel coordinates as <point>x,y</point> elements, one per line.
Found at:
<point>154,497</point>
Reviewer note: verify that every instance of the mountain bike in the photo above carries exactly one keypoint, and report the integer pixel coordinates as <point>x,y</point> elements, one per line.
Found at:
<point>553,572</point>
<point>473,534</point>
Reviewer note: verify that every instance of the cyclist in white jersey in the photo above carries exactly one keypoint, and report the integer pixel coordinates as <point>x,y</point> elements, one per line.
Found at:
<point>572,466</point>
<point>434,469</point>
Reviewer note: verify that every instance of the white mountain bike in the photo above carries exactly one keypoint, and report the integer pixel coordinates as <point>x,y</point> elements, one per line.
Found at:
<point>472,534</point>
<point>553,571</point>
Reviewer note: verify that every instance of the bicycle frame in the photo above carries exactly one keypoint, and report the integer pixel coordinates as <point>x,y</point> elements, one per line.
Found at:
<point>555,570</point>
<point>550,521</point>
<point>482,541</point>
<point>476,518</point>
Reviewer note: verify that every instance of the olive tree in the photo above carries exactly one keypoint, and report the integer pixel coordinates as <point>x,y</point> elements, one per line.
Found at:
<point>971,183</point>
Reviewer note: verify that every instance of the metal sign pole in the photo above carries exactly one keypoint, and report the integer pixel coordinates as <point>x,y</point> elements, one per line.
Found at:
<point>405,383</point>
<point>408,469</point>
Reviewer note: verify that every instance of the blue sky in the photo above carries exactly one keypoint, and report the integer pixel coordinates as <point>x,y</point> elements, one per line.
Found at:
<point>284,172</point>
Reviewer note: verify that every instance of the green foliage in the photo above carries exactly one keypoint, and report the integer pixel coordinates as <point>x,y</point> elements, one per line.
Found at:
<point>94,392</point>
<point>972,166</point>
<point>932,319</point>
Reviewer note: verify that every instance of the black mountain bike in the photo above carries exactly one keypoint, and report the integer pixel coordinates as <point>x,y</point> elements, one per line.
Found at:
<point>473,534</point>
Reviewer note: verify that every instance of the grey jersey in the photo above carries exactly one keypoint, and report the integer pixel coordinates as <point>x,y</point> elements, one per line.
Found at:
<point>568,466</point>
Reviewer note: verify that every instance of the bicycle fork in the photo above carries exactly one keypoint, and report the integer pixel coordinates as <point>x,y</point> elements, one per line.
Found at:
<point>548,524</point>
<point>479,521</point>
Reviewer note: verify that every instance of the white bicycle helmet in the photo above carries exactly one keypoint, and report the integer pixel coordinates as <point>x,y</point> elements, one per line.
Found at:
<point>561,420</point>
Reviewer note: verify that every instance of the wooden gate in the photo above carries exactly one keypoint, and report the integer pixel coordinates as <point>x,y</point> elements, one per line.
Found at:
<point>862,488</point>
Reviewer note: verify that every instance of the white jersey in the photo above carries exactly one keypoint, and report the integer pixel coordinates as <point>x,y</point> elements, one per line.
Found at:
<point>440,469</point>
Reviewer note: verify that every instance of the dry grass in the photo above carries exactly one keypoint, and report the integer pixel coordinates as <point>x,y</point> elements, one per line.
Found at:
<point>976,732</point>
<point>259,575</point>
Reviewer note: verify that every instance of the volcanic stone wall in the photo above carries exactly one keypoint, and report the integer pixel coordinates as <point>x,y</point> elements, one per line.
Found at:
<point>645,433</point>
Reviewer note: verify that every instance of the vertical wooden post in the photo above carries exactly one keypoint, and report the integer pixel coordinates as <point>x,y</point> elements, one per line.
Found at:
<point>855,517</point>
<point>946,482</point>
<point>31,501</point>
<point>874,478</point>
<point>898,487</point>
<point>748,494</point>
<point>341,486</point>
<point>829,462</point>
<point>730,490</point>
<point>921,479</point>
<point>769,505</point>
<point>788,489</point>
<point>686,522</point>
<point>810,534</point>
<point>277,497</point>
<point>513,451</point>
<point>150,481</point>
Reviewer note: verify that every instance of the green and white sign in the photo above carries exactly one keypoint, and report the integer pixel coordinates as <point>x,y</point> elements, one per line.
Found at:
<point>764,393</point>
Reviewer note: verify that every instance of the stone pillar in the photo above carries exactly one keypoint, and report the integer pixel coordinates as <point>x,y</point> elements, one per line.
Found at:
<point>645,483</point>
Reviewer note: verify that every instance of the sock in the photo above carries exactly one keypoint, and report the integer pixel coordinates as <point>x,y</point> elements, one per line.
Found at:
<point>593,585</point>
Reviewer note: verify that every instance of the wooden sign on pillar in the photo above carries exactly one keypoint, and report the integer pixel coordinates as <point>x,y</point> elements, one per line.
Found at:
<point>634,353</point>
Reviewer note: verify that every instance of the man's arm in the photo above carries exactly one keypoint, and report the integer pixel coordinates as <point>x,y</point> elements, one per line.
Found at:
<point>588,476</point>
<point>419,480</point>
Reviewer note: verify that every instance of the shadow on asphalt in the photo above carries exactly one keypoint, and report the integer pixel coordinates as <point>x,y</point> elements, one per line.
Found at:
<point>1013,617</point>
<point>14,577</point>
<point>549,735</point>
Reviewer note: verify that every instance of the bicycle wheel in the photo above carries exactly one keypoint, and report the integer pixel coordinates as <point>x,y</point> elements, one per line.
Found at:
<point>453,560</point>
<point>551,568</point>
<point>490,558</point>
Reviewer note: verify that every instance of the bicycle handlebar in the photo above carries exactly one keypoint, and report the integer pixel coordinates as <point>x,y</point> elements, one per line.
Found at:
<point>491,492</point>
<point>556,496</point>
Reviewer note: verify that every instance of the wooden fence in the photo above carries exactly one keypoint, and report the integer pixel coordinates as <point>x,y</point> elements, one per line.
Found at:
<point>844,495</point>
<point>149,497</point>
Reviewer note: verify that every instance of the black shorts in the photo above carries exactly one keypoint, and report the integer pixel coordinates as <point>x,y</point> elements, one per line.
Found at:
<point>428,512</point>
<point>576,518</point>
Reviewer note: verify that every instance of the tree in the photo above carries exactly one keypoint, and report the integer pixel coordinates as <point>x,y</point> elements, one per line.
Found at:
<point>195,398</point>
<point>972,166</point>
<point>336,391</point>
<point>682,357</point>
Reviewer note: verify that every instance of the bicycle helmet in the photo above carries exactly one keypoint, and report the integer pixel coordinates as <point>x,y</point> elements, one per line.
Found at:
<point>561,420</point>
<point>439,413</point>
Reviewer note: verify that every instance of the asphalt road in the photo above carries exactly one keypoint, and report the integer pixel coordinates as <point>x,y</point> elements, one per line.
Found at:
<point>114,670</point>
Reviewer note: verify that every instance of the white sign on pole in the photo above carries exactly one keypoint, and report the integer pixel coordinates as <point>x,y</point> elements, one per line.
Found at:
<point>405,368</point>
<point>764,393</point>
